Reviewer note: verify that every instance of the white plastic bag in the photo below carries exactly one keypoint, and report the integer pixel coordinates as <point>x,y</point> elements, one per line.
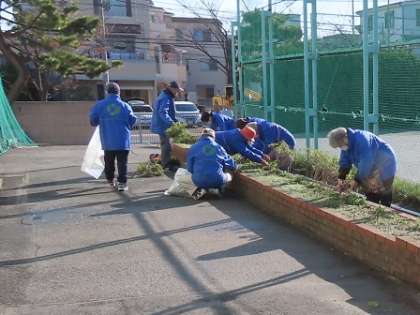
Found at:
<point>183,185</point>
<point>92,161</point>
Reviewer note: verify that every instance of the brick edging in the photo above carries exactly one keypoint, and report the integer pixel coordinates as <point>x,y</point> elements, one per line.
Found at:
<point>398,256</point>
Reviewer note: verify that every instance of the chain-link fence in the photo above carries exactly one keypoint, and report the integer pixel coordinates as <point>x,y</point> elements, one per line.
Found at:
<point>316,65</point>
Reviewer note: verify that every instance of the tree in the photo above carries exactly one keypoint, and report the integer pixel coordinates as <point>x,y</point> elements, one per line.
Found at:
<point>219,37</point>
<point>287,38</point>
<point>39,38</point>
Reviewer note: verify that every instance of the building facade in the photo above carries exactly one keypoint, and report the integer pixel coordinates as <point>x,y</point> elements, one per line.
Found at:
<point>205,76</point>
<point>140,35</point>
<point>397,23</point>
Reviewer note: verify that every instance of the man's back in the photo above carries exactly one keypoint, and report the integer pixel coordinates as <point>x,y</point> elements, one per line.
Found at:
<point>115,119</point>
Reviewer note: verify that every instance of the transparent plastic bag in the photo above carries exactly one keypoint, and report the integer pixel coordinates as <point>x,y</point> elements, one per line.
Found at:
<point>183,185</point>
<point>92,161</point>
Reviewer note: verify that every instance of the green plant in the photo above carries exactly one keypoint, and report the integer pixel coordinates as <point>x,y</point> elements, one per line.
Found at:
<point>149,169</point>
<point>179,133</point>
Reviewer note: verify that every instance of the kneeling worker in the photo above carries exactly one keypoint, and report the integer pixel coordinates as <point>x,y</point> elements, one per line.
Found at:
<point>207,161</point>
<point>218,121</point>
<point>374,159</point>
<point>241,141</point>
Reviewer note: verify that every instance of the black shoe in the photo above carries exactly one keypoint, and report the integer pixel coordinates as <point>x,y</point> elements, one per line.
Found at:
<point>198,193</point>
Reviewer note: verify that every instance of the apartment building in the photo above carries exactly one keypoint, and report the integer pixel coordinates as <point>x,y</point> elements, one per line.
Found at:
<point>139,34</point>
<point>397,22</point>
<point>205,77</point>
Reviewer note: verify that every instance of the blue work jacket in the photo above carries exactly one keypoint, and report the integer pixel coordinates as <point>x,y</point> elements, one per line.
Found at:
<point>233,142</point>
<point>116,119</point>
<point>368,153</point>
<point>163,113</point>
<point>207,161</point>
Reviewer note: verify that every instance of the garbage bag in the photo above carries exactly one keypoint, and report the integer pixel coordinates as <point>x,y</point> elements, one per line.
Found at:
<point>182,185</point>
<point>92,161</point>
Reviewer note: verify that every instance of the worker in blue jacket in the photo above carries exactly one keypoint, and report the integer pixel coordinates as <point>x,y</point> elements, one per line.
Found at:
<point>163,118</point>
<point>241,141</point>
<point>218,121</point>
<point>207,161</point>
<point>116,119</point>
<point>268,133</point>
<point>374,159</point>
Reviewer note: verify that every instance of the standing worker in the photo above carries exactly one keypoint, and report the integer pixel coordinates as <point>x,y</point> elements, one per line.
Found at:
<point>115,119</point>
<point>241,141</point>
<point>374,159</point>
<point>218,121</point>
<point>163,118</point>
<point>208,162</point>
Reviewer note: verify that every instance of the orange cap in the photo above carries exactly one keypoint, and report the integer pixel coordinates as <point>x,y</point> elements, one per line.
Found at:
<point>248,133</point>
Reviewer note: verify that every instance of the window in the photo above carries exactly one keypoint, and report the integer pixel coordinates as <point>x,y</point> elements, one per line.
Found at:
<point>210,65</point>
<point>389,19</point>
<point>205,91</point>
<point>202,36</point>
<point>179,34</point>
<point>417,17</point>
<point>370,23</point>
<point>153,19</point>
<point>115,7</point>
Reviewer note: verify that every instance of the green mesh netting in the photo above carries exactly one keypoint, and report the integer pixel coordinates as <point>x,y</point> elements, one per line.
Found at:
<point>11,133</point>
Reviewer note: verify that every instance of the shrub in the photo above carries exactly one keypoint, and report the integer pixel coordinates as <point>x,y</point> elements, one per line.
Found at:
<point>179,133</point>
<point>149,169</point>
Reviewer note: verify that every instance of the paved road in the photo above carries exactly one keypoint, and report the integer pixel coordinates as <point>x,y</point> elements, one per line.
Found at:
<point>71,245</point>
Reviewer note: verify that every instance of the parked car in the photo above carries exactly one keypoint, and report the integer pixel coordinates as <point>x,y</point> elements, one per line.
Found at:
<point>187,113</point>
<point>142,111</point>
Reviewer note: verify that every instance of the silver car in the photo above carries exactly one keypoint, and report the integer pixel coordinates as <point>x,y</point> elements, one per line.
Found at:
<point>143,112</point>
<point>187,113</point>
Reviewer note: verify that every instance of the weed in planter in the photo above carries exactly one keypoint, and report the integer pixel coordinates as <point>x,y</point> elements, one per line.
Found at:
<point>353,199</point>
<point>415,226</point>
<point>149,169</point>
<point>179,133</point>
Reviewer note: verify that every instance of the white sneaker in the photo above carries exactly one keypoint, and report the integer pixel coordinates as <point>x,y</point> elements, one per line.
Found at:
<point>198,193</point>
<point>122,187</point>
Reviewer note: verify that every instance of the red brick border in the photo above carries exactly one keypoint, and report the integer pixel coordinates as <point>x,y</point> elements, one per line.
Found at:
<point>398,256</point>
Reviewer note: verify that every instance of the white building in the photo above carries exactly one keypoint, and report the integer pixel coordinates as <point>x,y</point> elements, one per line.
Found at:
<point>398,22</point>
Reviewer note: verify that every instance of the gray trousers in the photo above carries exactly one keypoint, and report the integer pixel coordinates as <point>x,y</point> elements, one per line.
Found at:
<point>165,150</point>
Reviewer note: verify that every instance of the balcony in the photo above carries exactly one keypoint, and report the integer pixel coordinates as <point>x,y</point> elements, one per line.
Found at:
<point>121,55</point>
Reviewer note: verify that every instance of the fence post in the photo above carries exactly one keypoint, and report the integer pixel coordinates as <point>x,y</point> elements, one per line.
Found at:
<point>234,69</point>
<point>240,64</point>
<point>306,72</point>
<point>314,55</point>
<point>365,65</point>
<point>271,61</point>
<point>375,59</point>
<point>264,63</point>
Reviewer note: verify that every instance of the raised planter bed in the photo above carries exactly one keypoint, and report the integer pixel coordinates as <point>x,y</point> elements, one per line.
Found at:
<point>395,255</point>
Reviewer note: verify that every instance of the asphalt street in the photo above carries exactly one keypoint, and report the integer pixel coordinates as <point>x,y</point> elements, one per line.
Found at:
<point>72,245</point>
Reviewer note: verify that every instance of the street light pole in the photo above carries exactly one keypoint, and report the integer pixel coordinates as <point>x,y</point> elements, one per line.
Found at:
<point>104,40</point>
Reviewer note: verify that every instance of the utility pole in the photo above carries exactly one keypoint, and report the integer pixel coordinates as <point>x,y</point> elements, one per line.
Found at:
<point>352,17</point>
<point>106,75</point>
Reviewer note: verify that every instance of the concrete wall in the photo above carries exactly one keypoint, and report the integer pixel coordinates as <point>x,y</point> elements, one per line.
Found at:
<point>55,123</point>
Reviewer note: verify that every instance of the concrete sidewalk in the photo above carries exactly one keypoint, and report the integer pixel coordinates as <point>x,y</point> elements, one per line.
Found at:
<point>72,245</point>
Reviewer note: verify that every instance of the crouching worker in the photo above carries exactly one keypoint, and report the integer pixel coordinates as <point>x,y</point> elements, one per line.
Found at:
<point>208,162</point>
<point>218,121</point>
<point>268,135</point>
<point>374,159</point>
<point>241,141</point>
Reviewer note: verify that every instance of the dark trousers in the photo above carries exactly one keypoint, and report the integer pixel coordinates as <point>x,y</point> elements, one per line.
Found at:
<point>165,150</point>
<point>383,197</point>
<point>122,158</point>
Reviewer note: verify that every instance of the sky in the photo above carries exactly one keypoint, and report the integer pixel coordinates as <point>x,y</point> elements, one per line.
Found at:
<point>333,14</point>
